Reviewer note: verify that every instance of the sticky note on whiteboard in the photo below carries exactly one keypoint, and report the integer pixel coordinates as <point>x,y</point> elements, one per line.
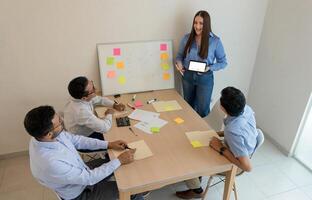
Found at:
<point>163,47</point>
<point>116,51</point>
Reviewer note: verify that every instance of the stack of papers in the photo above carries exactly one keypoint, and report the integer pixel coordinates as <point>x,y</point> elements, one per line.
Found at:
<point>201,138</point>
<point>149,121</point>
<point>164,106</point>
<point>142,150</point>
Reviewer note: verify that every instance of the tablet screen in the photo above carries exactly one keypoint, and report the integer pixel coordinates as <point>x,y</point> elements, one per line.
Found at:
<point>197,66</point>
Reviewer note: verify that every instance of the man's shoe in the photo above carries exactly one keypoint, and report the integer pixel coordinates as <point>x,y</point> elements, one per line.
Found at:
<point>189,194</point>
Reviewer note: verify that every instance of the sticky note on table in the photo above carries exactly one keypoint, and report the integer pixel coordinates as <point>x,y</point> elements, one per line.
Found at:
<point>165,66</point>
<point>155,129</point>
<point>196,143</point>
<point>120,65</point>
<point>179,120</point>
<point>138,103</point>
<point>111,74</point>
<point>110,60</point>
<point>116,51</point>
<point>164,56</point>
<point>122,80</point>
<point>163,47</point>
<point>166,76</point>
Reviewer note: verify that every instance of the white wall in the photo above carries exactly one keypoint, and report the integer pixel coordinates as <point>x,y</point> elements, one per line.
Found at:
<point>282,82</point>
<point>45,43</point>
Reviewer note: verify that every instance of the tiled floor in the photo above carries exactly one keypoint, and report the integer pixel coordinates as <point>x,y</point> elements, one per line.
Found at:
<point>274,177</point>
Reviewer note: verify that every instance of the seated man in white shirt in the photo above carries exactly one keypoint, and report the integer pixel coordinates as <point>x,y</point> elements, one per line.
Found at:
<point>56,164</point>
<point>79,117</point>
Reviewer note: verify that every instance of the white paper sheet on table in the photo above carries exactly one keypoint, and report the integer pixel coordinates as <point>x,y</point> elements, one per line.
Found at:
<point>142,115</point>
<point>146,126</point>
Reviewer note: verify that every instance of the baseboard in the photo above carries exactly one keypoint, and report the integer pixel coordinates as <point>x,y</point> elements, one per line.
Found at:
<point>276,144</point>
<point>13,155</point>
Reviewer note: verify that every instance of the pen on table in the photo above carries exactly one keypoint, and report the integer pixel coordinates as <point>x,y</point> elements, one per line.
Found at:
<point>151,101</point>
<point>132,131</point>
<point>128,104</point>
<point>133,98</point>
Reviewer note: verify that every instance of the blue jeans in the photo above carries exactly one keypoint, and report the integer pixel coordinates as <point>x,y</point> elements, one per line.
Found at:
<point>197,90</point>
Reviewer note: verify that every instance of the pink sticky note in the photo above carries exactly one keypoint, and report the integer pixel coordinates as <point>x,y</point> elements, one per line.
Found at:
<point>163,47</point>
<point>138,103</point>
<point>111,74</point>
<point>116,51</point>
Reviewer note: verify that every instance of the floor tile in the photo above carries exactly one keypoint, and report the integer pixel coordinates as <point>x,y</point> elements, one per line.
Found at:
<point>290,195</point>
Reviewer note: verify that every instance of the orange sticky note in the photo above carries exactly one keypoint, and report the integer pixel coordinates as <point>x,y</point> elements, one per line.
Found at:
<point>196,143</point>
<point>166,76</point>
<point>179,120</point>
<point>164,56</point>
<point>120,65</point>
<point>111,74</point>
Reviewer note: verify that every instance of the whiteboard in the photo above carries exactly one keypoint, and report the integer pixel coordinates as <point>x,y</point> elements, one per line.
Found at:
<point>131,67</point>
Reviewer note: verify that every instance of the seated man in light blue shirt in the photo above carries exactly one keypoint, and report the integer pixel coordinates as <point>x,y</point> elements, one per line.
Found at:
<point>56,164</point>
<point>240,137</point>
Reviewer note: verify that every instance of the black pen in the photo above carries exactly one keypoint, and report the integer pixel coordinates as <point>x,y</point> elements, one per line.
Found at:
<point>132,131</point>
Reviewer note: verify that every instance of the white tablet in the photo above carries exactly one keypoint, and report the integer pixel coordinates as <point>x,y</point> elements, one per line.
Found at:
<point>197,66</point>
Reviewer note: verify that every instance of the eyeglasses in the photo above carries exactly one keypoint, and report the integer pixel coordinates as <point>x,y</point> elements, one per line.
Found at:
<point>58,125</point>
<point>92,91</point>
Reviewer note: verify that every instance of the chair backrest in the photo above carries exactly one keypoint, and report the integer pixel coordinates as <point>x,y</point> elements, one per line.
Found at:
<point>260,140</point>
<point>215,117</point>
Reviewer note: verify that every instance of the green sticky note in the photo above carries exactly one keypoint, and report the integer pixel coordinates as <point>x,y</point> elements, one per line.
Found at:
<point>155,129</point>
<point>165,66</point>
<point>110,60</point>
<point>196,143</point>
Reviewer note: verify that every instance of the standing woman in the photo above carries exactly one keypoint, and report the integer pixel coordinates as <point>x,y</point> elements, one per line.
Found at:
<point>204,46</point>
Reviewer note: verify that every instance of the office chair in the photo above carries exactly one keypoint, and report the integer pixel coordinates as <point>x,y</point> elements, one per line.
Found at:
<point>260,140</point>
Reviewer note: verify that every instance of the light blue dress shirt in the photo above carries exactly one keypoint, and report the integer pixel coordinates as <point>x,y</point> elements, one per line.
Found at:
<point>58,166</point>
<point>216,58</point>
<point>240,133</point>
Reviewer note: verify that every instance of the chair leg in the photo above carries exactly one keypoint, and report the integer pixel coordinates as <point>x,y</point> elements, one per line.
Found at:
<point>208,185</point>
<point>235,191</point>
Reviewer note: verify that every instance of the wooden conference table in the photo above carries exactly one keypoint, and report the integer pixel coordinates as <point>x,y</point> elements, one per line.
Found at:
<point>174,158</point>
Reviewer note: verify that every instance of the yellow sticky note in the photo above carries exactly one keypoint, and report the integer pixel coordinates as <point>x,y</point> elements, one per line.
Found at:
<point>164,56</point>
<point>121,80</point>
<point>196,143</point>
<point>168,108</point>
<point>120,65</point>
<point>166,76</point>
<point>179,120</point>
<point>165,66</point>
<point>154,129</point>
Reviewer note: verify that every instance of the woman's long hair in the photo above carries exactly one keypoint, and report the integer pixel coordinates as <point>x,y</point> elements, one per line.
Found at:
<point>204,44</point>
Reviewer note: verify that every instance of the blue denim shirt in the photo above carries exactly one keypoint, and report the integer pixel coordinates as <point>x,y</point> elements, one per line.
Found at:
<point>216,58</point>
<point>58,166</point>
<point>240,133</point>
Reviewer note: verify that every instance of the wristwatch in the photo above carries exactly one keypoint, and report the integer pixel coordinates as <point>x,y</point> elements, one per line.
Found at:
<point>222,149</point>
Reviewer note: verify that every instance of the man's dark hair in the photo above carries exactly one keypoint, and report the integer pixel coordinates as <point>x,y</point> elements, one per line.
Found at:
<point>233,101</point>
<point>77,87</point>
<point>38,121</point>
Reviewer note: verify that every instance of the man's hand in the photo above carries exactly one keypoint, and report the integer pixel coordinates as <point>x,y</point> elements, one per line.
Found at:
<point>216,144</point>
<point>127,156</point>
<point>109,111</point>
<point>117,145</point>
<point>119,106</point>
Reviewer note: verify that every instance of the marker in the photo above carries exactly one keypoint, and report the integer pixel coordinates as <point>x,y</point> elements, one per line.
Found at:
<point>132,131</point>
<point>116,102</point>
<point>133,98</point>
<point>151,101</point>
<point>176,64</point>
<point>128,104</point>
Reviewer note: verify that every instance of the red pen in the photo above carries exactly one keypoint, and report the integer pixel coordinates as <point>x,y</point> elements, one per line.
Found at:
<point>128,104</point>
